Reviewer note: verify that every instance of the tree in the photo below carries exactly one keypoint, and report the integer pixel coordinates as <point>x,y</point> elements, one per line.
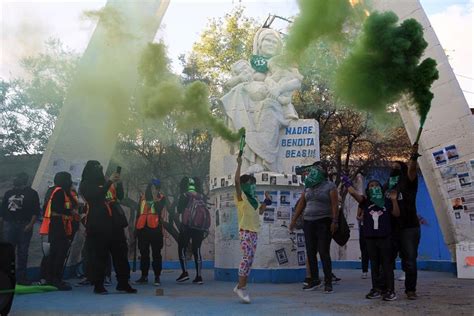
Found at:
<point>29,107</point>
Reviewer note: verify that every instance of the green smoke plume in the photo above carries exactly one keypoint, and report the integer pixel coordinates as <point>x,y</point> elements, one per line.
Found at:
<point>385,63</point>
<point>318,19</point>
<point>163,94</point>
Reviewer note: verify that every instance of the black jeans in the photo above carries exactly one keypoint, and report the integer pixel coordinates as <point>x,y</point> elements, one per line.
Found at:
<point>196,236</point>
<point>381,263</point>
<point>147,238</point>
<point>318,237</point>
<point>14,233</point>
<point>100,247</point>
<point>409,241</point>
<point>364,254</point>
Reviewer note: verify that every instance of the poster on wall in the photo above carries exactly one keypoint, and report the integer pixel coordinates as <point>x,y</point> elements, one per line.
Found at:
<point>457,204</point>
<point>440,157</point>
<point>301,258</point>
<point>465,260</point>
<point>300,240</point>
<point>464,180</point>
<point>269,215</point>
<point>283,213</point>
<point>281,256</point>
<point>451,153</point>
<point>285,197</point>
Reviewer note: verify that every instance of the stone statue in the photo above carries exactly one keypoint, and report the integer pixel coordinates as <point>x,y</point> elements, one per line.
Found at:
<point>260,99</point>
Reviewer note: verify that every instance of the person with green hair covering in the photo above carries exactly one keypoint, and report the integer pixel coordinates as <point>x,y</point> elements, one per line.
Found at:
<point>190,188</point>
<point>375,212</point>
<point>248,211</point>
<point>319,206</point>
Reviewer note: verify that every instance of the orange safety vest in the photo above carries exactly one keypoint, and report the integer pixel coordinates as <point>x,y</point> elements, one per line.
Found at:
<point>111,195</point>
<point>67,220</point>
<point>148,215</point>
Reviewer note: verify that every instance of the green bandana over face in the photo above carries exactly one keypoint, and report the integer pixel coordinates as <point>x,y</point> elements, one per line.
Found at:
<point>249,190</point>
<point>392,182</point>
<point>376,196</point>
<point>259,63</point>
<point>314,177</point>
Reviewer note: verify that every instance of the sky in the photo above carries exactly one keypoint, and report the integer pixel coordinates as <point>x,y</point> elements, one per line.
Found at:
<point>25,25</point>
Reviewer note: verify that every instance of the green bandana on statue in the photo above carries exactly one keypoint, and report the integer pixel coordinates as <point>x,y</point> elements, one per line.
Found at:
<point>259,63</point>
<point>314,178</point>
<point>392,182</point>
<point>376,196</point>
<point>249,190</point>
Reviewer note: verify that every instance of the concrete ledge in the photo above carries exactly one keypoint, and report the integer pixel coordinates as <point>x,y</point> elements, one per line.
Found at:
<point>269,275</point>
<point>297,275</point>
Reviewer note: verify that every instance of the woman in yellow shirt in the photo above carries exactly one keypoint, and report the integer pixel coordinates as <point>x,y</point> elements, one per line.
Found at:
<point>248,211</point>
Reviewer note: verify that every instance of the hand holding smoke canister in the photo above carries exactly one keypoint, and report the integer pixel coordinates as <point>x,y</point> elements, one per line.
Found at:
<point>242,144</point>
<point>346,181</point>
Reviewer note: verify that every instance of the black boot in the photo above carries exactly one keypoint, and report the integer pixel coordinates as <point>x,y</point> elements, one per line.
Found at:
<point>100,289</point>
<point>125,287</point>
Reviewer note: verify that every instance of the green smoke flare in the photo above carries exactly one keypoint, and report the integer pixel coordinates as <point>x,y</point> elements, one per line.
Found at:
<point>385,63</point>
<point>163,94</point>
<point>317,19</point>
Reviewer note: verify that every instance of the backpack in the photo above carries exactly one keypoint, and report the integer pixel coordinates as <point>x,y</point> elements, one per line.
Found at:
<point>343,233</point>
<point>196,215</point>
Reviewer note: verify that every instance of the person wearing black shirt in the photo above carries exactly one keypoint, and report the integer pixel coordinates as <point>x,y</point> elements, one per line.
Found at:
<point>19,210</point>
<point>375,212</point>
<point>63,203</point>
<point>104,235</point>
<point>404,179</point>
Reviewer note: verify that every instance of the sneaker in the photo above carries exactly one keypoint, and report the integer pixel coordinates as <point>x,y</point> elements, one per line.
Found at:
<point>183,277</point>
<point>243,294</point>
<point>100,289</point>
<point>142,280</point>
<point>198,280</point>
<point>125,287</point>
<point>328,289</point>
<point>402,277</point>
<point>107,281</point>
<point>306,281</point>
<point>312,285</point>
<point>411,295</point>
<point>335,278</point>
<point>62,286</point>
<point>373,294</point>
<point>390,296</point>
<point>83,282</point>
<point>157,281</point>
<point>364,275</point>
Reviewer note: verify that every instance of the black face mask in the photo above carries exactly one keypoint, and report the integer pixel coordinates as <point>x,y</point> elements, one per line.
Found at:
<point>395,172</point>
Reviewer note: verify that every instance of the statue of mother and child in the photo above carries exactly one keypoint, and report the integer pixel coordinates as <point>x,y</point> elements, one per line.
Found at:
<point>260,99</point>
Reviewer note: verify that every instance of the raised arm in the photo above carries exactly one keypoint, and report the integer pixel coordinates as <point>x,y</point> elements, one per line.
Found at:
<point>395,206</point>
<point>350,188</point>
<point>412,175</point>
<point>238,190</point>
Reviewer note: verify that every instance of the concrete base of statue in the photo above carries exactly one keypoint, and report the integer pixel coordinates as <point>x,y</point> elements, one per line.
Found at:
<point>280,256</point>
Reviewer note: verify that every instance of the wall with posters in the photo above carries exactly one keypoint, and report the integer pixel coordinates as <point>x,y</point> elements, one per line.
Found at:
<point>446,145</point>
<point>277,247</point>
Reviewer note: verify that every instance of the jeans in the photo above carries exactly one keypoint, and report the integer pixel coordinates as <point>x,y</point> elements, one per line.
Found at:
<point>14,233</point>
<point>380,255</point>
<point>364,254</point>
<point>318,237</point>
<point>409,241</point>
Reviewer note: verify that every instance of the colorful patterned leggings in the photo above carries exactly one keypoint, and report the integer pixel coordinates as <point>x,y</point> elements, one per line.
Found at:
<point>248,244</point>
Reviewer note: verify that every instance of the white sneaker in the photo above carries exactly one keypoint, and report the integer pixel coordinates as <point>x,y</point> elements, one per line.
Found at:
<point>242,293</point>
<point>364,275</point>
<point>401,277</point>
